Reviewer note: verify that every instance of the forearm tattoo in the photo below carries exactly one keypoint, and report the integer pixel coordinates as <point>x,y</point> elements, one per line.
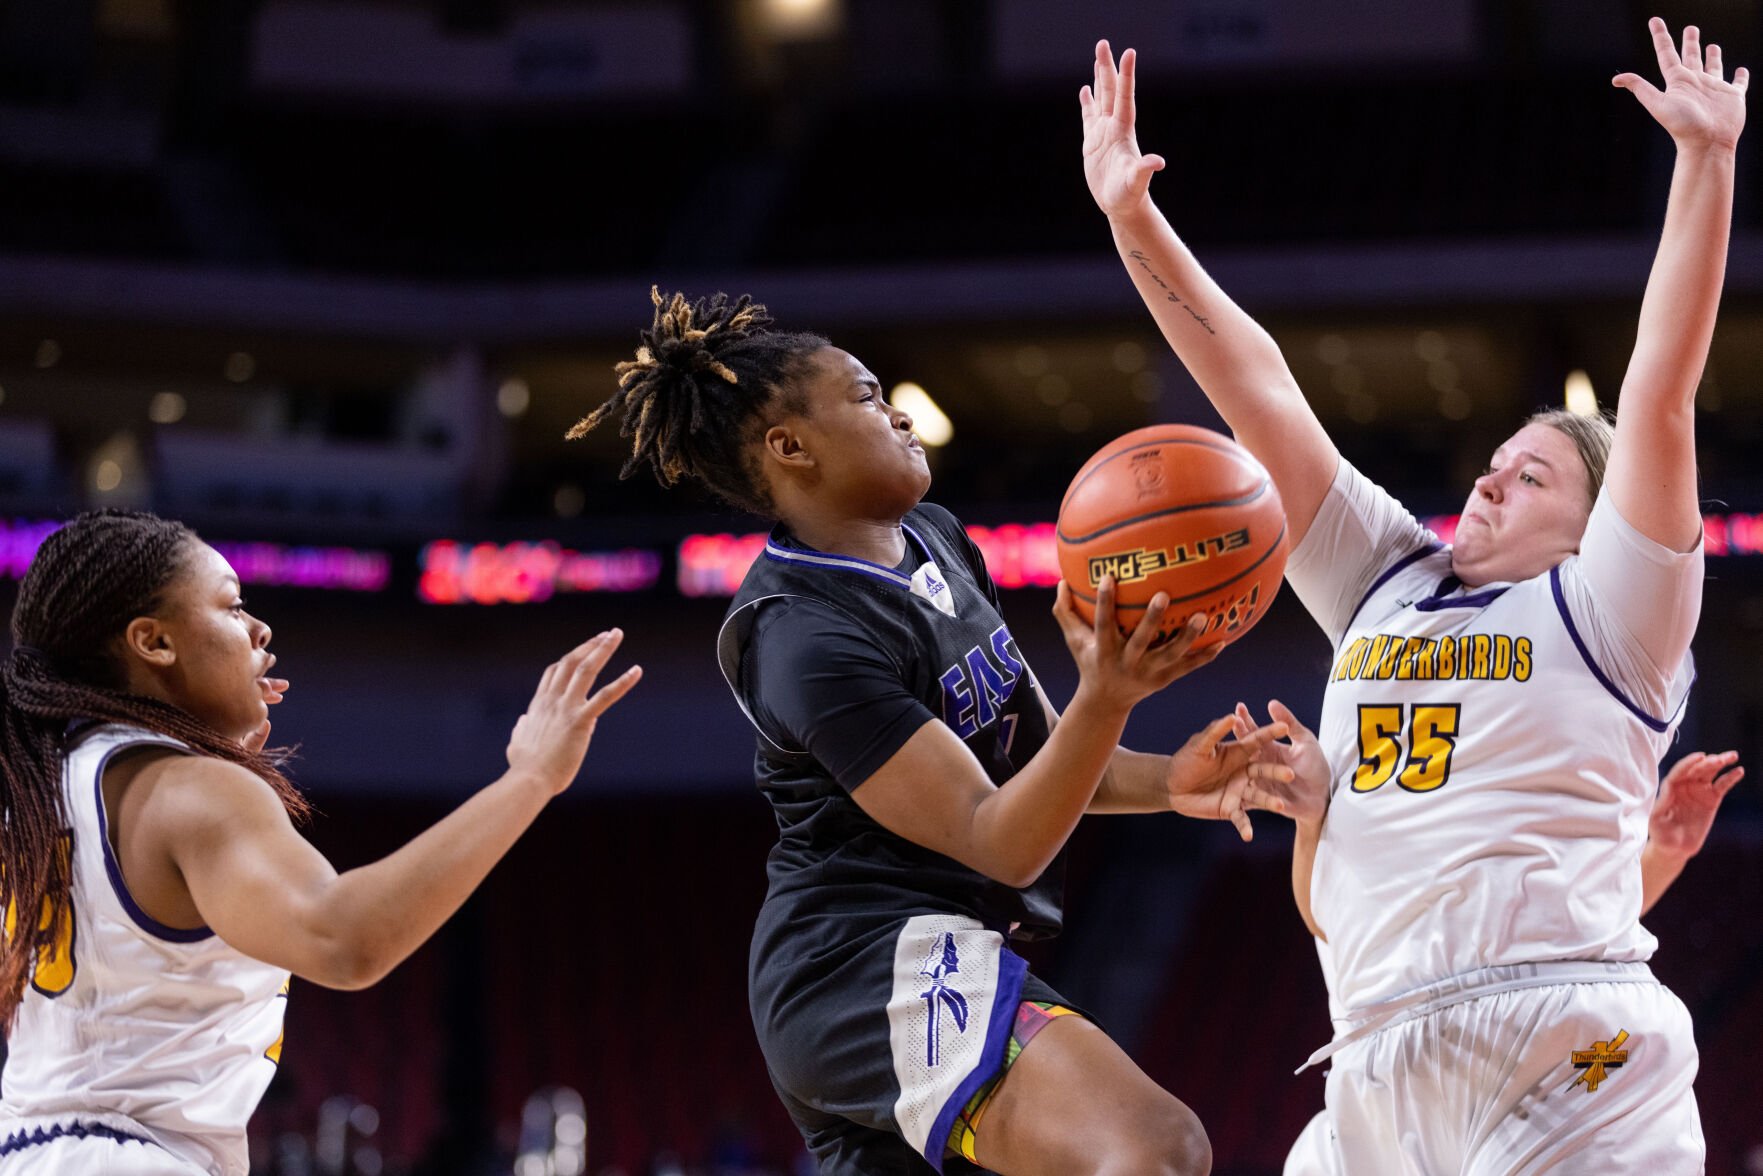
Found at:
<point>1145,264</point>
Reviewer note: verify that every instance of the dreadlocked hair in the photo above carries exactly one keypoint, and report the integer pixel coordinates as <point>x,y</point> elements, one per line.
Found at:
<point>695,397</point>
<point>87,582</point>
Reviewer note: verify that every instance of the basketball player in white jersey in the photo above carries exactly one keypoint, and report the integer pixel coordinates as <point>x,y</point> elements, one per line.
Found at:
<point>157,895</point>
<point>1496,709</point>
<point>1689,797</point>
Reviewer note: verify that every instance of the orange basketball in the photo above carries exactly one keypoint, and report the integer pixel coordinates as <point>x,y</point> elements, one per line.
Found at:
<point>1176,509</point>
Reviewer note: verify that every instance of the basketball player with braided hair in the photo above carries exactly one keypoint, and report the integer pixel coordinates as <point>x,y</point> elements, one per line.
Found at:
<point>923,786</point>
<point>157,895</point>
<point>1497,708</point>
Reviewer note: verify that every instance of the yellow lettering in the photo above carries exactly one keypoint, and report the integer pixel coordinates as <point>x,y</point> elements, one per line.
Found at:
<point>1483,646</point>
<point>1521,659</point>
<point>1378,750</point>
<point>1432,737</point>
<point>1410,650</point>
<point>1502,657</point>
<point>1423,664</point>
<point>1392,653</point>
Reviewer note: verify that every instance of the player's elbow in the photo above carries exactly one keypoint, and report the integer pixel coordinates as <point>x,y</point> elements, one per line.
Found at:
<point>339,951</point>
<point>347,967</point>
<point>1014,869</point>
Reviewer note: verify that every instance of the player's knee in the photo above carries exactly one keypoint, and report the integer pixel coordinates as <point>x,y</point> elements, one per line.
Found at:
<point>1171,1143</point>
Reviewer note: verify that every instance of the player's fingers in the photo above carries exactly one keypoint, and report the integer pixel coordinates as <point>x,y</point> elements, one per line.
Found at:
<point>1212,734</point>
<point>1260,736</point>
<point>1149,165</point>
<point>1107,628</point>
<point>1281,713</point>
<point>1240,818</point>
<point>1723,783</point>
<point>1105,78</point>
<point>1663,48</point>
<point>1149,626</point>
<point>1175,659</point>
<point>1711,63</point>
<point>1268,801</point>
<point>1086,101</point>
<point>1692,48</point>
<point>1125,104</point>
<point>1271,772</point>
<point>594,658</point>
<point>1065,613</point>
<point>602,699</point>
<point>1640,87</point>
<point>1741,77</point>
<point>1242,721</point>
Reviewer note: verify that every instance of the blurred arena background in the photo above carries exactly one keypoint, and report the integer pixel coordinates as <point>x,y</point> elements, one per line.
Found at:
<point>330,278</point>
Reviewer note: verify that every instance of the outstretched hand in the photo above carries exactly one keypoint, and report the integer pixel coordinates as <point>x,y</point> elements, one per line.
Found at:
<point>1303,795</point>
<point>1119,174</point>
<point>551,738</point>
<point>1215,780</point>
<point>1689,796</point>
<point>1697,106</point>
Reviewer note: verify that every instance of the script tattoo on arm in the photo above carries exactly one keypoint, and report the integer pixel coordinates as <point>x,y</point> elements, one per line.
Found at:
<point>1171,295</point>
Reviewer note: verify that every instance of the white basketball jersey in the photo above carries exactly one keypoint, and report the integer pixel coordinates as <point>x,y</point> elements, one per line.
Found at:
<point>173,1029</point>
<point>1494,761</point>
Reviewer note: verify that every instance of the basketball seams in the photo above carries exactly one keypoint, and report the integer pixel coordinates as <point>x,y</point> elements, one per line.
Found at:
<point>1235,454</point>
<point>1258,492</point>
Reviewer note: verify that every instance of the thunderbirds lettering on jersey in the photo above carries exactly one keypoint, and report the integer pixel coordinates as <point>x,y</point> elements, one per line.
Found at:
<point>1481,657</point>
<point>976,688</point>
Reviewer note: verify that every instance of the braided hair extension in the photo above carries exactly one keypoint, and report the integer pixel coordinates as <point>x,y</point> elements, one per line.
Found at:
<point>695,396</point>
<point>87,582</point>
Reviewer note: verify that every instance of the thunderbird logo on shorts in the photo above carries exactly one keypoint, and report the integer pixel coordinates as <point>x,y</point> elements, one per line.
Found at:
<point>941,962</point>
<point>1597,1061</point>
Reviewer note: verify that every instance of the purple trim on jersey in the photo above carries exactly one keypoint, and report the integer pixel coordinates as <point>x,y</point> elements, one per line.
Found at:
<point>1450,584</point>
<point>850,563</point>
<point>143,920</point>
<point>1385,579</point>
<point>20,1140</point>
<point>1659,725</point>
<point>1012,968</point>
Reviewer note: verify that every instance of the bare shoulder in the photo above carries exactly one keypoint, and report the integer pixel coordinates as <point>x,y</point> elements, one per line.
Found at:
<point>196,795</point>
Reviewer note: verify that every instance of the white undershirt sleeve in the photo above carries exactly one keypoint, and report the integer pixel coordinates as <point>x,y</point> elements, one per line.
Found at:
<point>1635,603</point>
<point>1359,533</point>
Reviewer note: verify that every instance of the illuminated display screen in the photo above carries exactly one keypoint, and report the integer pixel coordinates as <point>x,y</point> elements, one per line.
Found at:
<point>714,565</point>
<point>1019,555</point>
<point>344,569</point>
<point>526,573</point>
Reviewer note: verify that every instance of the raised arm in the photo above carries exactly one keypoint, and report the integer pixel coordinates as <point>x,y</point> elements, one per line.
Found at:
<point>1652,471</point>
<point>1235,362</point>
<point>1689,798</point>
<point>933,791</point>
<point>267,892</point>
